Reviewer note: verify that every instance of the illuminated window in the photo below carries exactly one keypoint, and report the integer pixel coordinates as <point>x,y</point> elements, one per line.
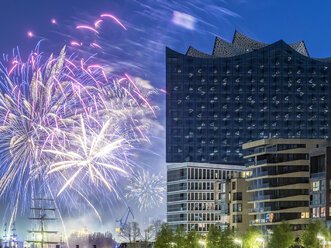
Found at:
<point>316,186</point>
<point>304,215</point>
<point>323,212</point>
<point>316,213</point>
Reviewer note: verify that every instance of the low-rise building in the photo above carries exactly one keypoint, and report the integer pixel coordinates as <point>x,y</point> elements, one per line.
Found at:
<point>199,194</point>
<point>279,181</point>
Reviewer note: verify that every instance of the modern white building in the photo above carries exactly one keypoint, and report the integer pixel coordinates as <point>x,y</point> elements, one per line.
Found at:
<point>198,194</point>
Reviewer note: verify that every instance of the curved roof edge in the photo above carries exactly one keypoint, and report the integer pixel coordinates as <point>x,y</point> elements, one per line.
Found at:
<point>194,51</point>
<point>191,51</point>
<point>240,44</point>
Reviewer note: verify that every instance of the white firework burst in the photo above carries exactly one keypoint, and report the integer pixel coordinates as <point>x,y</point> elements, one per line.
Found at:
<point>146,189</point>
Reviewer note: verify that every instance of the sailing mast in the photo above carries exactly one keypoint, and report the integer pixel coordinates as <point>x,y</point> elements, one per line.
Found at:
<point>43,212</point>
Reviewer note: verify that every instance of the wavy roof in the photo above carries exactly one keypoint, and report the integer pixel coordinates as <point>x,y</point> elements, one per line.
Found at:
<point>240,44</point>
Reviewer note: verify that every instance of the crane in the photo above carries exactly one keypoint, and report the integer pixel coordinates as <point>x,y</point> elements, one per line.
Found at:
<point>124,219</point>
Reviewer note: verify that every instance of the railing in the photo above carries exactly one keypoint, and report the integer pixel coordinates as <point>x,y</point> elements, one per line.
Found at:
<point>223,211</point>
<point>258,210</point>
<point>260,198</point>
<point>264,161</point>
<point>259,186</point>
<point>250,163</point>
<point>259,174</point>
<point>259,150</point>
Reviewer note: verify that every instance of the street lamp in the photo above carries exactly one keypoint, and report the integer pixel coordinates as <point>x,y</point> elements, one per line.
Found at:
<point>260,240</point>
<point>319,236</point>
<point>239,241</point>
<point>201,242</point>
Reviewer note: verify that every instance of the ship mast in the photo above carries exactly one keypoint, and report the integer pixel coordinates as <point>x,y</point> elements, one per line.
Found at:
<point>43,211</point>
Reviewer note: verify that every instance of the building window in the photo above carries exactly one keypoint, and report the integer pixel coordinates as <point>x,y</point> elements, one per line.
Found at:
<point>237,196</point>
<point>233,185</point>
<point>316,186</point>
<point>316,213</point>
<point>304,215</point>
<point>323,212</point>
<point>237,218</point>
<point>237,207</point>
<point>316,199</point>
<point>222,187</point>
<point>329,211</point>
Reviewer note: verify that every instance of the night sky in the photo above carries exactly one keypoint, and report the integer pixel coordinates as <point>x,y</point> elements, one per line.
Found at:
<point>140,51</point>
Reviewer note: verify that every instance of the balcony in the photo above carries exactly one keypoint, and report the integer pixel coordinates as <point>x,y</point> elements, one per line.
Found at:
<point>251,163</point>
<point>259,150</point>
<point>264,161</point>
<point>222,211</point>
<point>258,210</point>
<point>259,186</point>
<point>260,198</point>
<point>259,174</point>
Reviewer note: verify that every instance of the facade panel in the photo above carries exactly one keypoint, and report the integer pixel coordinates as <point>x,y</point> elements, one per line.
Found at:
<point>244,91</point>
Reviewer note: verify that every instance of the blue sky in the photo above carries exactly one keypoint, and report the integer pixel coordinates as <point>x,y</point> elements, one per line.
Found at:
<point>151,26</point>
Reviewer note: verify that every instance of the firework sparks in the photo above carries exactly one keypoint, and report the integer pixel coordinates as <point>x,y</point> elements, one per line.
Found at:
<point>76,43</point>
<point>114,18</point>
<point>96,155</point>
<point>30,34</point>
<point>88,28</point>
<point>97,23</point>
<point>70,127</point>
<point>146,189</point>
<point>65,127</point>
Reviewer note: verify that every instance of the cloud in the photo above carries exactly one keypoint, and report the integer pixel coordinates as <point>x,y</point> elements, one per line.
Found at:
<point>144,83</point>
<point>183,20</point>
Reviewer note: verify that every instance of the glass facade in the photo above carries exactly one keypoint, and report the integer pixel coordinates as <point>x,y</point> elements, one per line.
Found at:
<point>216,104</point>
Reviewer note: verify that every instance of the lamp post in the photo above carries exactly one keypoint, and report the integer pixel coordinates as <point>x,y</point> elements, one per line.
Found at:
<point>201,242</point>
<point>260,240</point>
<point>320,237</point>
<point>239,242</point>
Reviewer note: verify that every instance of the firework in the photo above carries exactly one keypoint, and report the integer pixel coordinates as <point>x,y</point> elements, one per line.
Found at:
<point>146,189</point>
<point>66,128</point>
<point>96,155</point>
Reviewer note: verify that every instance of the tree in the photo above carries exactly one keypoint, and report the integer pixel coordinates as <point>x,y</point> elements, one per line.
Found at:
<point>193,238</point>
<point>180,237</point>
<point>165,237</point>
<point>157,224</point>
<point>250,236</point>
<point>282,236</point>
<point>148,235</point>
<point>227,237</point>
<point>213,237</point>
<point>308,237</point>
<point>130,232</point>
